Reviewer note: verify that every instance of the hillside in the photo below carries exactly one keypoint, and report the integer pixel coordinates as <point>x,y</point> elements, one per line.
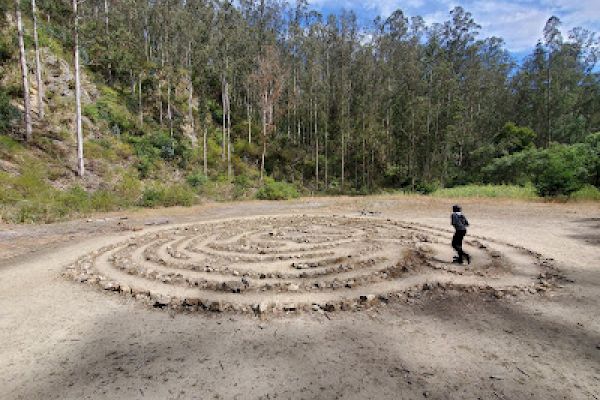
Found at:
<point>128,163</point>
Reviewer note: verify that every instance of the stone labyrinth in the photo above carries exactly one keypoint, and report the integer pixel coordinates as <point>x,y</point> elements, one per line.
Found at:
<point>282,264</point>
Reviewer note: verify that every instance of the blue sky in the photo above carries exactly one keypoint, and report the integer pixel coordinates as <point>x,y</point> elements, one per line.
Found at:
<point>520,23</point>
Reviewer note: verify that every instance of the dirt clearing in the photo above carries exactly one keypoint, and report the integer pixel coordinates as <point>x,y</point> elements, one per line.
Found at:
<point>317,298</point>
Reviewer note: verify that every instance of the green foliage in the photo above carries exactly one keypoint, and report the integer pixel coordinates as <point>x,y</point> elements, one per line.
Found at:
<point>560,170</point>
<point>7,48</point>
<point>158,194</point>
<point>197,179</point>
<point>499,191</point>
<point>110,107</point>
<point>29,197</point>
<point>277,191</point>
<point>586,193</point>
<point>7,112</point>
<point>510,169</point>
<point>513,138</point>
<point>9,147</point>
<point>243,186</point>
<point>426,187</point>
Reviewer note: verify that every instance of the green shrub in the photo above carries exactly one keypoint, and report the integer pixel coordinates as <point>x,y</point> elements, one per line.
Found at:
<point>560,170</point>
<point>197,179</point>
<point>424,187</point>
<point>277,191</point>
<point>104,200</point>
<point>129,190</point>
<point>243,185</point>
<point>7,112</point>
<point>588,192</point>
<point>76,199</point>
<point>174,195</point>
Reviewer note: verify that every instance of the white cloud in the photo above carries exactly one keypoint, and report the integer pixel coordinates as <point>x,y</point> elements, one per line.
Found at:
<point>520,23</point>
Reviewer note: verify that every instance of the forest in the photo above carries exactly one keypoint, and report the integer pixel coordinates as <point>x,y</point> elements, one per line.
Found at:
<point>275,97</point>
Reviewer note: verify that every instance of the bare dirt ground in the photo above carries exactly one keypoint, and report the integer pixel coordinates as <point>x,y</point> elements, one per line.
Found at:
<point>61,339</point>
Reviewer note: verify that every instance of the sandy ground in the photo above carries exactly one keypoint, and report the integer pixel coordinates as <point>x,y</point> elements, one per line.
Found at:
<point>63,340</point>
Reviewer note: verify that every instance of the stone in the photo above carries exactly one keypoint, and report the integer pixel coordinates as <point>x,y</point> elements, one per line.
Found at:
<point>192,301</point>
<point>215,306</point>
<point>233,286</point>
<point>292,287</point>
<point>263,308</point>
<point>112,286</point>
<point>304,265</point>
<point>367,299</point>
<point>160,301</point>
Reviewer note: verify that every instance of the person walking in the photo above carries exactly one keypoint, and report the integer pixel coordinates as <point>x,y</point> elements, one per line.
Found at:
<point>460,223</point>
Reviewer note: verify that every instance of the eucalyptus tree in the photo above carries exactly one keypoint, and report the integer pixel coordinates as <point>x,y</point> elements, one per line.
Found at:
<point>38,64</point>
<point>24,72</point>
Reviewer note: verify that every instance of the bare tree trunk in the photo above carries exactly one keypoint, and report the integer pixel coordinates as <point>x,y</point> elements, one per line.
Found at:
<point>343,160</point>
<point>38,64</point>
<point>160,103</point>
<point>140,106</point>
<point>24,72</point>
<point>107,36</point>
<point>229,169</point>
<point>249,114</point>
<point>169,112</point>
<point>316,150</point>
<point>223,101</point>
<point>81,168</point>
<point>364,160</point>
<point>326,156</point>
<point>264,123</point>
<point>190,104</point>
<point>205,161</point>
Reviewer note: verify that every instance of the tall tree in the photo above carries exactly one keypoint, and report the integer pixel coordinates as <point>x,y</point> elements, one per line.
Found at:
<point>24,72</point>
<point>78,126</point>
<point>38,64</point>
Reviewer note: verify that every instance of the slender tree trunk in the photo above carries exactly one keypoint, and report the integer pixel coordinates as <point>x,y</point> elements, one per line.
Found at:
<point>223,101</point>
<point>107,37</point>
<point>229,168</point>
<point>191,106</point>
<point>80,164</point>
<point>326,155</point>
<point>363,148</point>
<point>38,64</point>
<point>205,160</point>
<point>24,72</point>
<point>169,111</point>
<point>249,115</point>
<point>160,103</point>
<point>548,98</point>
<point>140,106</point>
<point>316,151</point>
<point>264,132</point>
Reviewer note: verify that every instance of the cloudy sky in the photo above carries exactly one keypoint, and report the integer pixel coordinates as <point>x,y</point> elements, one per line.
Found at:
<point>520,23</point>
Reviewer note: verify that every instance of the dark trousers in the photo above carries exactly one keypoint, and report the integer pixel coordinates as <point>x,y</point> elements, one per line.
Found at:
<point>457,244</point>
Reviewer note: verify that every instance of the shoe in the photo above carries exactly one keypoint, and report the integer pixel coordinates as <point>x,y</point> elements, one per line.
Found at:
<point>468,257</point>
<point>457,261</point>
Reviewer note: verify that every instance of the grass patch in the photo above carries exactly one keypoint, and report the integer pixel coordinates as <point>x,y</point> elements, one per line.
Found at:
<point>272,190</point>
<point>158,194</point>
<point>588,192</point>
<point>494,191</point>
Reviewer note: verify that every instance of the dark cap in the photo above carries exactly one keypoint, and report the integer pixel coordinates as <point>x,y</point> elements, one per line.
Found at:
<point>456,208</point>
